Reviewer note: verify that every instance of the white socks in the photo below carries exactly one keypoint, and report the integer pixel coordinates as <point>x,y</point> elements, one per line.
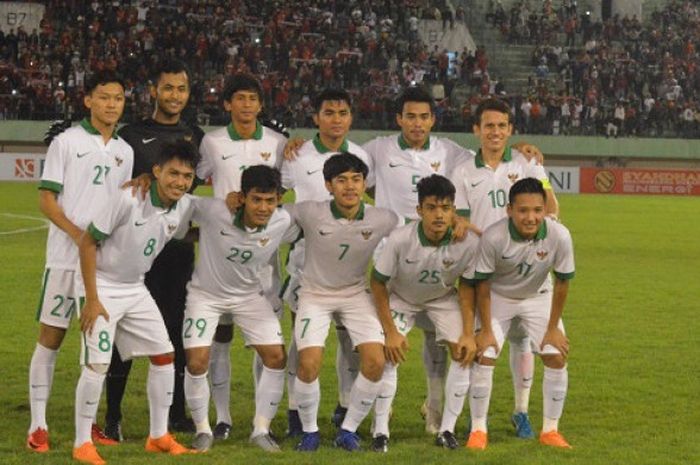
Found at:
<point>308,397</point>
<point>481,380</point>
<point>160,386</point>
<point>87,399</point>
<point>522,369</point>
<point>434,360</point>
<point>456,389</point>
<point>41,371</point>
<point>382,406</point>
<point>220,376</point>
<point>197,395</point>
<point>268,394</point>
<point>347,364</point>
<point>362,397</point>
<point>554,389</point>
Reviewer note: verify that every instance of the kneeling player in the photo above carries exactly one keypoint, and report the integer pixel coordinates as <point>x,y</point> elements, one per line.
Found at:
<point>516,254</point>
<point>234,251</point>
<point>415,276</point>
<point>118,308</point>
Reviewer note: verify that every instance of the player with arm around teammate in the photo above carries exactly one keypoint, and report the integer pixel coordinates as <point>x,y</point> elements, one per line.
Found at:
<point>415,273</point>
<point>516,256</point>
<point>118,309</point>
<point>234,248</point>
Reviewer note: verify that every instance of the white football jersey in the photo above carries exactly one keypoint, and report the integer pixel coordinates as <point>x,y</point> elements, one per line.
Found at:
<point>84,172</point>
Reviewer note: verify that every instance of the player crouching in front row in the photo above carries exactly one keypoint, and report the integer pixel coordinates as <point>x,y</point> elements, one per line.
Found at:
<point>516,255</point>
<point>118,309</point>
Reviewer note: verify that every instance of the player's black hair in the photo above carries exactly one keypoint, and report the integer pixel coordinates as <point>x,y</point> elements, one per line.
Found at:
<point>492,104</point>
<point>241,81</point>
<point>169,66</point>
<point>261,177</point>
<point>181,149</point>
<point>526,186</point>
<point>100,78</point>
<point>414,94</point>
<point>435,186</point>
<point>342,163</point>
<point>332,95</point>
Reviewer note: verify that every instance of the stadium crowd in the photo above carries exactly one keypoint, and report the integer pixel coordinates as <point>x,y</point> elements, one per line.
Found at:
<point>615,78</point>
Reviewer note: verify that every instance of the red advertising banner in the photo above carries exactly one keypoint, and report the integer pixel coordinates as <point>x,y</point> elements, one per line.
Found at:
<point>640,181</point>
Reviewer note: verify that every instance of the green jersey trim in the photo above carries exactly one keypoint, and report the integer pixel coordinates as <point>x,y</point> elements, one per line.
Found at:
<point>338,215</point>
<point>468,281</point>
<point>425,242</point>
<point>96,233</point>
<point>464,212</point>
<point>382,278</point>
<point>238,222</point>
<point>90,129</point>
<point>564,276</point>
<point>52,186</point>
<point>155,198</point>
<point>321,148</point>
<point>479,159</point>
<point>43,293</point>
<point>404,145</point>
<point>515,235</point>
<point>233,134</point>
<point>482,276</point>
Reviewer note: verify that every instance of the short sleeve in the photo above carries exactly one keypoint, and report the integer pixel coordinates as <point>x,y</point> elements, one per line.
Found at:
<point>205,167</point>
<point>107,219</point>
<point>564,266</point>
<point>458,178</point>
<point>54,167</point>
<point>485,259</point>
<point>385,265</point>
<point>287,174</point>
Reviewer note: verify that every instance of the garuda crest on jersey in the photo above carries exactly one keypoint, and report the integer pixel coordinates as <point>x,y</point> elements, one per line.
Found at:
<point>263,241</point>
<point>513,177</point>
<point>366,234</point>
<point>265,155</point>
<point>435,166</point>
<point>172,228</point>
<point>447,262</point>
<point>118,160</point>
<point>542,254</point>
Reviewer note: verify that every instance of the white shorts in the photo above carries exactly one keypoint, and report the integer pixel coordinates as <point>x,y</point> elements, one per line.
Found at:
<point>533,315</point>
<point>59,299</point>
<point>135,325</point>
<point>356,312</point>
<point>255,318</point>
<point>443,314</point>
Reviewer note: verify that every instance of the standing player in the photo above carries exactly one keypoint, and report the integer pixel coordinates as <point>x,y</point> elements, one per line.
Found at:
<point>226,152</point>
<point>118,308</point>
<point>84,165</point>
<point>166,281</point>
<point>516,255</point>
<point>233,250</point>
<point>341,235</point>
<point>304,174</point>
<point>416,274</point>
<point>482,185</point>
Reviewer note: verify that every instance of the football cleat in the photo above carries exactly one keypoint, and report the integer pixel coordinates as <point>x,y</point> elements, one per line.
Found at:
<point>87,453</point>
<point>113,430</point>
<point>380,443</point>
<point>554,439</point>
<point>477,440</point>
<point>182,425</point>
<point>99,437</point>
<point>202,442</point>
<point>222,431</point>
<point>523,429</point>
<point>339,416</point>
<point>309,442</point>
<point>266,442</point>
<point>167,444</point>
<point>347,440</point>
<point>432,417</point>
<point>447,440</point>
<point>38,441</point>
<point>294,428</point>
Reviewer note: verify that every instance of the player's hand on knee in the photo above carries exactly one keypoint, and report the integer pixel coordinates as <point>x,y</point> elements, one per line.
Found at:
<point>89,314</point>
<point>395,347</point>
<point>556,338</point>
<point>466,348</point>
<point>484,340</point>
<point>140,184</point>
<point>234,201</point>
<point>291,149</point>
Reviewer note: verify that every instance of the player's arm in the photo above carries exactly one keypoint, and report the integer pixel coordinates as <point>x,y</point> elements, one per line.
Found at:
<point>467,341</point>
<point>395,343</point>
<point>92,308</point>
<point>291,148</point>
<point>485,338</point>
<point>530,151</point>
<point>554,336</point>
<point>48,204</point>
<point>552,204</point>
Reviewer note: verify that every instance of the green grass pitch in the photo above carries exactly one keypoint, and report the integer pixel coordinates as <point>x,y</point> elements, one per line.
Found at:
<point>632,316</point>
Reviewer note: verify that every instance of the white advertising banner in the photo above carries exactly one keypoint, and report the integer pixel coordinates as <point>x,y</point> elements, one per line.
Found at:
<point>564,179</point>
<point>21,166</point>
<point>14,15</point>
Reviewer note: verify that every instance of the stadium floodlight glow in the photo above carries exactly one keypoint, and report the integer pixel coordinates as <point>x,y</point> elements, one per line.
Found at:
<point>14,91</point>
<point>212,90</point>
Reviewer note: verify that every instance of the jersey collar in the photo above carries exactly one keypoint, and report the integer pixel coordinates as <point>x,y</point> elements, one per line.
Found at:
<point>233,134</point>
<point>238,222</point>
<point>404,145</point>
<point>155,198</point>
<point>320,148</point>
<point>479,159</point>
<point>337,215</point>
<point>87,125</point>
<point>425,242</point>
<point>515,235</point>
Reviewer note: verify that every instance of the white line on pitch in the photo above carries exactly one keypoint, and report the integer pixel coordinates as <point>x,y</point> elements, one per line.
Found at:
<point>45,224</point>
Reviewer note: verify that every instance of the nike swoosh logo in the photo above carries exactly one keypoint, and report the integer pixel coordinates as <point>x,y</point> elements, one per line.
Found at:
<point>394,165</point>
<point>508,258</point>
<point>81,155</point>
<point>90,402</point>
<point>136,223</point>
<point>525,380</point>
<point>274,404</point>
<point>218,384</point>
<point>36,386</point>
<point>312,172</point>
<point>460,394</point>
<point>411,262</point>
<point>224,233</point>
<point>226,157</point>
<point>279,333</point>
<point>383,397</point>
<point>474,184</point>
<point>364,402</point>
<point>559,399</point>
<point>479,397</point>
<point>148,141</point>
<point>323,233</point>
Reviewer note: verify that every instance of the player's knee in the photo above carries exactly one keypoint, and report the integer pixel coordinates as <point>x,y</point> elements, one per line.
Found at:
<point>224,333</point>
<point>372,366</point>
<point>99,368</point>
<point>486,361</point>
<point>274,357</point>
<point>162,359</point>
<point>197,366</point>
<point>308,369</point>
<point>51,337</point>
<point>556,361</point>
